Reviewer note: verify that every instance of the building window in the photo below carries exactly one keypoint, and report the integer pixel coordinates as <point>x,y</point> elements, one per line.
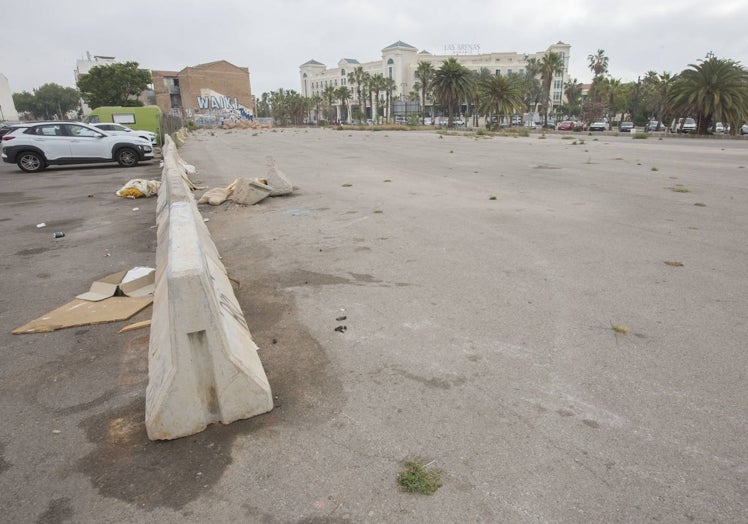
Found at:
<point>508,72</point>
<point>557,84</point>
<point>557,96</point>
<point>498,72</point>
<point>342,72</point>
<point>521,72</point>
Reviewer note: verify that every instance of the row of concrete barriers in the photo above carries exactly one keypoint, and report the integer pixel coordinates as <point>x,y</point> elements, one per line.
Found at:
<point>203,365</point>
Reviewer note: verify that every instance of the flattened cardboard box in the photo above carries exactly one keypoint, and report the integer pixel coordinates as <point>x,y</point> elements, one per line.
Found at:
<point>137,282</point>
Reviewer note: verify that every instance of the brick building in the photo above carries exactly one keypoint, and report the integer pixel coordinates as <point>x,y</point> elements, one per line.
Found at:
<point>207,93</point>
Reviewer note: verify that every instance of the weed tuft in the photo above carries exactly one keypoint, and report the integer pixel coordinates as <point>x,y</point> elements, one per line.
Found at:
<point>415,478</point>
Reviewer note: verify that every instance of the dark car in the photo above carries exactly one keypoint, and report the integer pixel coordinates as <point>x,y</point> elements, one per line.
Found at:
<point>566,125</point>
<point>626,127</point>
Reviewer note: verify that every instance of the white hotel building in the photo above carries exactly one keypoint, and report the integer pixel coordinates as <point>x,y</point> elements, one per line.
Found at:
<point>400,60</point>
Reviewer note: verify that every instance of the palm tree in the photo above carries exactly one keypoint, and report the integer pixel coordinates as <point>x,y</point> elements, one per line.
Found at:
<point>598,63</point>
<point>452,83</point>
<point>389,85</point>
<point>714,89</point>
<point>656,88</point>
<point>549,66</point>
<point>314,102</point>
<point>357,77</point>
<point>343,94</point>
<point>377,84</point>
<point>573,91</point>
<point>424,74</point>
<point>500,95</point>
<point>330,96</point>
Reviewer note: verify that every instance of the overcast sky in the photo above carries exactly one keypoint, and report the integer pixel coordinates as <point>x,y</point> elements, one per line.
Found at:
<point>43,38</point>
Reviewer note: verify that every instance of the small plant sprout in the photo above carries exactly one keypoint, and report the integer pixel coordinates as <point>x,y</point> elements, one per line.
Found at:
<point>700,204</point>
<point>674,263</point>
<point>681,189</point>
<point>347,185</point>
<point>416,478</point>
<point>654,168</point>
<point>492,197</point>
<point>621,330</point>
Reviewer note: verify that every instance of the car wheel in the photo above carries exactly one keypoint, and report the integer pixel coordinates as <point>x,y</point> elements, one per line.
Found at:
<point>31,162</point>
<point>127,157</point>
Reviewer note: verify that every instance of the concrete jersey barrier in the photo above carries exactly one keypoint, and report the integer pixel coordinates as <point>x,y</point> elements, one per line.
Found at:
<point>203,365</point>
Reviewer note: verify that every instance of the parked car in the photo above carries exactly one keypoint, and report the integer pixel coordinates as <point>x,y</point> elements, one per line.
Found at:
<point>427,121</point>
<point>119,129</point>
<point>685,125</point>
<point>652,125</point>
<point>401,120</point>
<point>39,145</point>
<point>744,129</point>
<point>626,127</point>
<point>566,125</point>
<point>598,125</point>
<point>719,127</point>
<point>458,122</point>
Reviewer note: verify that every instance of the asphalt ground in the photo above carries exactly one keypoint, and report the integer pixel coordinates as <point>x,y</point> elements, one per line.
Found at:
<point>450,299</point>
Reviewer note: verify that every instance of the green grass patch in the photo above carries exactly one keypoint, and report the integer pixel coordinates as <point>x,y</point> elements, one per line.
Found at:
<point>654,169</point>
<point>641,136</point>
<point>416,478</point>
<point>347,185</point>
<point>674,263</point>
<point>700,204</point>
<point>681,189</point>
<point>621,330</point>
<point>492,197</point>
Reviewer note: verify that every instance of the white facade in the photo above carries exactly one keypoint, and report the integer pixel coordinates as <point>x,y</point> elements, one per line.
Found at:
<point>84,65</point>
<point>400,60</point>
<point>7,107</point>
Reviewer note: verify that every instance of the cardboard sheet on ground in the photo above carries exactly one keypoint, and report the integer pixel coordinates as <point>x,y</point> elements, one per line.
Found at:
<point>84,312</point>
<point>137,282</point>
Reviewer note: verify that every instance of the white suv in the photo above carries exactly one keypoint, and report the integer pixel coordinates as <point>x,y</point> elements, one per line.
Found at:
<point>119,129</point>
<point>39,145</point>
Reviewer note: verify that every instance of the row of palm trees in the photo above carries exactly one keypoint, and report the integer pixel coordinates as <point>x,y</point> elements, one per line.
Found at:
<point>451,87</point>
<point>712,90</point>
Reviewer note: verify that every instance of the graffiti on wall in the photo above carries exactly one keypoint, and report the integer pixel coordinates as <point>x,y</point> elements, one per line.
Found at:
<point>215,110</point>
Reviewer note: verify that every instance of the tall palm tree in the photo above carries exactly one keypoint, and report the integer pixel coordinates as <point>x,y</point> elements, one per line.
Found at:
<point>573,91</point>
<point>656,89</point>
<point>389,86</point>
<point>314,102</point>
<point>377,85</point>
<point>330,96</point>
<point>424,74</point>
<point>713,89</point>
<point>500,95</point>
<point>598,63</point>
<point>452,83</point>
<point>551,65</point>
<point>357,77</point>
<point>343,94</point>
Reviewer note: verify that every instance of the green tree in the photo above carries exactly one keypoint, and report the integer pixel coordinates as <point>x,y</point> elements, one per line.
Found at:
<point>330,96</point>
<point>712,90</point>
<point>424,74</point>
<point>500,96</point>
<point>357,77</point>
<point>315,101</point>
<point>598,63</point>
<point>656,96</point>
<point>452,83</point>
<point>343,94</point>
<point>378,84</point>
<point>389,86</point>
<point>114,85</point>
<point>47,101</point>
<point>548,67</point>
